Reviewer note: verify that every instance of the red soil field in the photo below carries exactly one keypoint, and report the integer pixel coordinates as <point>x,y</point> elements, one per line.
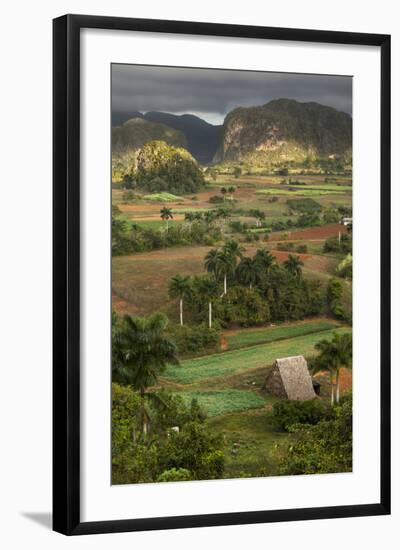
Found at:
<point>282,255</point>
<point>310,233</point>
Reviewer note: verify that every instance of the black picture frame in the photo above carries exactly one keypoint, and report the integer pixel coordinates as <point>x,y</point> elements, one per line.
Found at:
<point>66,273</point>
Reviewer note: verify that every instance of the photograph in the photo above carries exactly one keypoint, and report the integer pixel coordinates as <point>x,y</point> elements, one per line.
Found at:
<point>231,274</point>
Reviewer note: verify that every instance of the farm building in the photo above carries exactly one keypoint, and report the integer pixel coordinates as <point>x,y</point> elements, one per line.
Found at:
<point>290,379</point>
<point>346,221</point>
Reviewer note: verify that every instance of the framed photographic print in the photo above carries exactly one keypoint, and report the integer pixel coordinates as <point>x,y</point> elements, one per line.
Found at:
<point>221,274</point>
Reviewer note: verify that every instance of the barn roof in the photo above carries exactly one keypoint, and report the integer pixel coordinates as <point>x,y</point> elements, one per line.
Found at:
<point>295,377</point>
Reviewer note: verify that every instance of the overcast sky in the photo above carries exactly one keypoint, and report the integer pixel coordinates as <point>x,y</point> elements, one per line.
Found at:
<point>212,93</point>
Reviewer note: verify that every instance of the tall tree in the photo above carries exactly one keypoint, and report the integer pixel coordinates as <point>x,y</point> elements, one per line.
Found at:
<point>264,259</point>
<point>234,250</point>
<point>247,272</point>
<point>293,266</point>
<point>208,288</point>
<point>180,287</point>
<point>221,263</point>
<point>211,261</point>
<point>230,253</point>
<point>333,355</point>
<point>166,215</point>
<point>144,350</point>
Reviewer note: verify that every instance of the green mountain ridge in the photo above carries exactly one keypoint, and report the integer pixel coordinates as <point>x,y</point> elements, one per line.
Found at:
<point>136,132</point>
<point>284,130</point>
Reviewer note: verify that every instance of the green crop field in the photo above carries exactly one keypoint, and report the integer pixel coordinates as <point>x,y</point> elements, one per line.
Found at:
<point>302,190</point>
<point>231,362</point>
<point>246,338</point>
<point>225,401</point>
<point>163,197</point>
<point>156,224</point>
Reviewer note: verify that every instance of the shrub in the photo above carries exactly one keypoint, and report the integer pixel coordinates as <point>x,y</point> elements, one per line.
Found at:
<point>345,267</point>
<point>334,294</point>
<point>333,245</point>
<point>325,447</point>
<point>196,449</point>
<point>191,340</point>
<point>285,246</point>
<point>175,474</point>
<point>308,220</point>
<point>331,215</point>
<point>216,199</point>
<point>244,306</point>
<point>238,227</point>
<point>306,205</point>
<point>289,413</point>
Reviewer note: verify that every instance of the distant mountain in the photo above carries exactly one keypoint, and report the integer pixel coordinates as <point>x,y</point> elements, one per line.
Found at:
<point>119,117</point>
<point>134,133</point>
<point>161,167</point>
<point>202,137</point>
<point>284,129</point>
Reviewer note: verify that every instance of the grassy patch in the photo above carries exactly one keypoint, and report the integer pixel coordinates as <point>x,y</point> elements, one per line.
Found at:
<point>163,197</point>
<point>250,440</point>
<point>224,401</point>
<point>231,362</point>
<point>156,224</point>
<point>303,190</point>
<point>262,336</point>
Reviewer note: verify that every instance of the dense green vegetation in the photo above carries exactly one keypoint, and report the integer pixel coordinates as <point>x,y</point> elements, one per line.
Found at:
<point>161,167</point>
<point>287,414</point>
<point>203,308</point>
<point>323,448</point>
<point>128,238</point>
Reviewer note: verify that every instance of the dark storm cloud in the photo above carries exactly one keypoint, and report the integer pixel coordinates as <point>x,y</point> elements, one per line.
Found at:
<point>214,93</point>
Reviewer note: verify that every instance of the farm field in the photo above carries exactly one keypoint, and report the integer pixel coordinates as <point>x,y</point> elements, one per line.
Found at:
<point>236,361</point>
<point>250,337</point>
<point>250,192</point>
<point>231,276</point>
<point>140,281</point>
<point>229,388</point>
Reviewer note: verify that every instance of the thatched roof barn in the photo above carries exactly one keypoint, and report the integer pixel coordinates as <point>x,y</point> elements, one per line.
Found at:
<point>290,379</point>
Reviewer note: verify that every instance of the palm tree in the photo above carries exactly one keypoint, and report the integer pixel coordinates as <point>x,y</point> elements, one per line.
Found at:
<point>333,355</point>
<point>221,263</point>
<point>230,253</point>
<point>144,351</point>
<point>166,214</point>
<point>180,287</point>
<point>226,266</point>
<point>293,265</point>
<point>211,261</point>
<point>264,259</point>
<point>247,271</point>
<point>209,289</point>
<point>233,249</point>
